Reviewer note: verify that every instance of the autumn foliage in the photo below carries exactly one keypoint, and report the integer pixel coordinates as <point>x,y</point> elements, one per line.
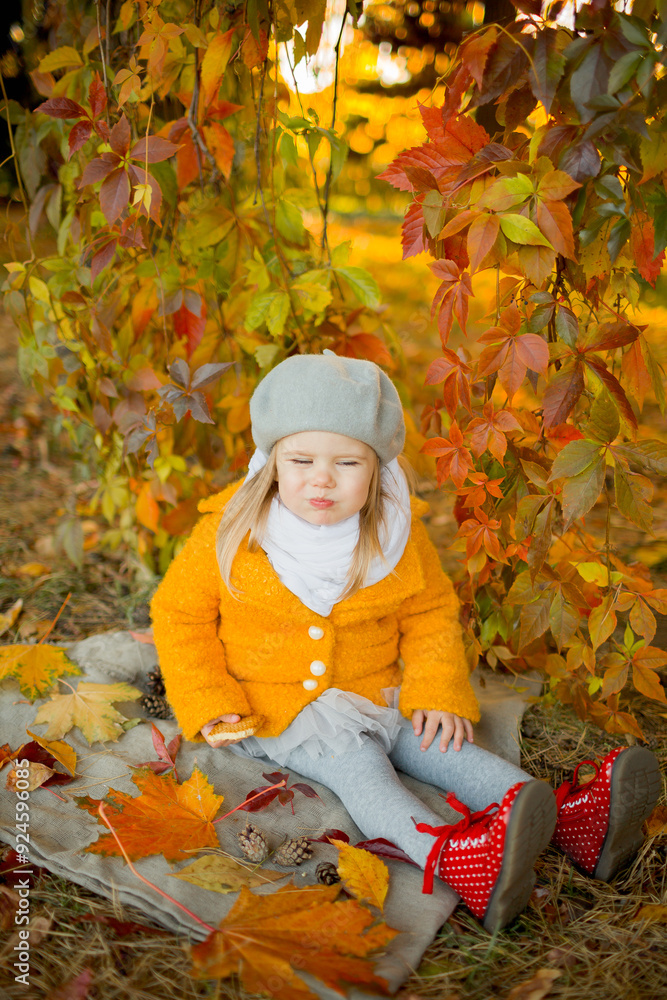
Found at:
<point>176,178</point>
<point>539,417</point>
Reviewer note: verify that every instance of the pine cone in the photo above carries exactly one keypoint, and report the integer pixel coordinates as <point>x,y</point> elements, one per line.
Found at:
<point>327,873</point>
<point>253,844</point>
<point>156,706</point>
<point>155,683</point>
<point>293,852</point>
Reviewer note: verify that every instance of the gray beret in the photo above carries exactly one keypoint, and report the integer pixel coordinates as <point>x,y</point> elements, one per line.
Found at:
<point>326,392</point>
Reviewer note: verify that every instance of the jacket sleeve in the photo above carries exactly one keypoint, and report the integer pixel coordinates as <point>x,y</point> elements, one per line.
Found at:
<point>436,674</point>
<point>185,612</point>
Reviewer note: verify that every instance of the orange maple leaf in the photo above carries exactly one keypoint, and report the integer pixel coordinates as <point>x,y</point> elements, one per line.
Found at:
<point>166,818</point>
<point>266,938</point>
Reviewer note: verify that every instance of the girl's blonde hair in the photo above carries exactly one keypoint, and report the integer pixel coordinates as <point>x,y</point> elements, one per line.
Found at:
<point>247,513</point>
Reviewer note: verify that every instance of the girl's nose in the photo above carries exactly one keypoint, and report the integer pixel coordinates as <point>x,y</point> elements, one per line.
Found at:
<point>322,476</point>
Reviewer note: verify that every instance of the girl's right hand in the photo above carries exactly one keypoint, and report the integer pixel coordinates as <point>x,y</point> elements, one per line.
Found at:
<point>217,742</point>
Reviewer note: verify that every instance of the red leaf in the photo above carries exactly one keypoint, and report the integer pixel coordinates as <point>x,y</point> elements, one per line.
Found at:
<point>481,237</point>
<point>562,393</point>
<point>187,162</point>
<point>76,988</point>
<point>474,53</point>
<point>102,258</point>
<point>555,222</point>
<point>97,96</point>
<point>102,130</point>
<point>79,135</point>
<point>363,345</point>
<point>611,335</point>
<point>330,835</point>
<point>152,149</point>
<point>412,231</point>
<point>221,145</point>
<point>99,168</point>
<point>190,326</point>
<point>62,107</point>
<point>384,849</point>
<point>262,800</point>
<point>305,789</point>
<point>533,351</point>
<point>119,137</point>
<point>642,239</point>
<point>114,195</point>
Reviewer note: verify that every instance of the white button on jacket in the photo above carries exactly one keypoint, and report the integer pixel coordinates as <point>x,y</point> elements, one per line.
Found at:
<point>318,668</point>
<point>310,685</point>
<point>315,632</point>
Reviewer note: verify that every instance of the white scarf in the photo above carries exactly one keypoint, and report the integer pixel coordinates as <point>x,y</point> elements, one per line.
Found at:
<point>313,560</point>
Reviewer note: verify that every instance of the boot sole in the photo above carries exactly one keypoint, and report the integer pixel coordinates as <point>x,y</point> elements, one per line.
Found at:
<point>635,789</point>
<point>530,827</point>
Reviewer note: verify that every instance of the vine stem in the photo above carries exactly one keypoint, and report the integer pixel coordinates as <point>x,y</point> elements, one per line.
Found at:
<point>165,895</point>
<point>281,784</point>
<point>16,165</point>
<point>607,543</point>
<point>102,56</point>
<point>327,186</point>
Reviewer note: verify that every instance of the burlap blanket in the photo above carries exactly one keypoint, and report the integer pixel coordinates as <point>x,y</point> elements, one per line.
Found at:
<point>59,831</point>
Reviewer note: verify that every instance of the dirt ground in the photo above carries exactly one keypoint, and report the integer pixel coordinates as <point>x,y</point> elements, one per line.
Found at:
<point>586,935</point>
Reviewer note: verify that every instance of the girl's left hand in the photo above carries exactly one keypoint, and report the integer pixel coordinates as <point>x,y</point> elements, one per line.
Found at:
<point>452,725</point>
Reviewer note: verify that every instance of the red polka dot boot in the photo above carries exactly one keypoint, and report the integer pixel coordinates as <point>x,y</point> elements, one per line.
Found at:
<point>599,822</point>
<point>487,857</point>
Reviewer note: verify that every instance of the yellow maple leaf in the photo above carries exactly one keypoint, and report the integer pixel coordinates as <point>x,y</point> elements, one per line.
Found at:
<point>36,667</point>
<point>223,874</point>
<point>266,938</point>
<point>63,752</point>
<point>8,618</point>
<point>90,708</point>
<point>364,874</point>
<point>166,818</point>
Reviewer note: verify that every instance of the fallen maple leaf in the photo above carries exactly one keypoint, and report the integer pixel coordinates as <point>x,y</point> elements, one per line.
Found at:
<point>58,749</point>
<point>73,989</point>
<point>364,875</point>
<point>652,913</point>
<point>90,708</point>
<point>8,618</point>
<point>36,667</point>
<point>221,874</point>
<point>166,818</point>
<point>264,939</point>
<point>657,822</point>
<point>37,775</point>
<point>537,987</point>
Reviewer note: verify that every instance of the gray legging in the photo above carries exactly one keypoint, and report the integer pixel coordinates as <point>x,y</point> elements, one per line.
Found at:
<point>365,781</point>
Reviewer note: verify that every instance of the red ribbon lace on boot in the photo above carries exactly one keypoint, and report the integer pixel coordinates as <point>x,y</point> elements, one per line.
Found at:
<point>444,833</point>
<point>574,786</point>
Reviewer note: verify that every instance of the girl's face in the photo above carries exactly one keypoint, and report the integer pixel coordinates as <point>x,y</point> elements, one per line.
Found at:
<point>323,477</point>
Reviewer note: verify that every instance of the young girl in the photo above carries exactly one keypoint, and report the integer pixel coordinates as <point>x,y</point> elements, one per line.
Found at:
<point>310,600</point>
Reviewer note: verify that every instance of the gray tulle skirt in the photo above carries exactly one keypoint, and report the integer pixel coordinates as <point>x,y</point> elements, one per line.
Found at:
<point>336,722</point>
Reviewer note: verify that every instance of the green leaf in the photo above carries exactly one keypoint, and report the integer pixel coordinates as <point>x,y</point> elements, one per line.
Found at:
<point>590,79</point>
<point>582,491</point>
<point>266,354</point>
<point>634,30</point>
<point>288,153</point>
<point>258,309</point>
<point>526,512</point>
<point>60,58</point>
<point>509,192</point>
<point>277,314</point>
<point>289,222</point>
<point>541,541</point>
<point>633,496</point>
<point>623,70</point>
<point>604,422</point>
<point>567,326</point>
<point>574,458</point>
<point>618,237</point>
<point>547,67</point>
<point>521,230</point>
<point>363,284</point>
<point>650,455</point>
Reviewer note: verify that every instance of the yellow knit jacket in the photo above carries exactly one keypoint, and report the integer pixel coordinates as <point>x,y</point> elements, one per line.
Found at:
<point>260,654</point>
